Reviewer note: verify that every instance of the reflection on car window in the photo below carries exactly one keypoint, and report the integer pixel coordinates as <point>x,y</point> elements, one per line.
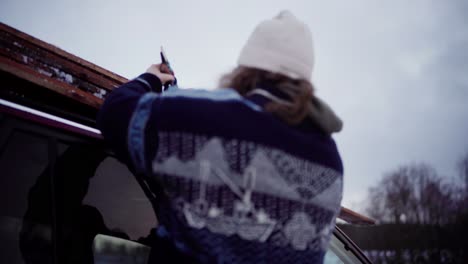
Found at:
<point>55,200</point>
<point>116,194</point>
<point>93,194</point>
<point>332,258</point>
<point>22,158</point>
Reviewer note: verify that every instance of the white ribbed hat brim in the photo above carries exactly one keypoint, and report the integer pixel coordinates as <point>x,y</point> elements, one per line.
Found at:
<point>264,59</point>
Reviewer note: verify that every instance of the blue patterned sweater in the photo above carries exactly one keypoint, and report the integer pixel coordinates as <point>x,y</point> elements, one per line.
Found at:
<point>233,183</point>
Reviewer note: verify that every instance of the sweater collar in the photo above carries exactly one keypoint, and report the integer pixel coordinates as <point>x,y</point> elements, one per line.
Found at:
<point>320,114</point>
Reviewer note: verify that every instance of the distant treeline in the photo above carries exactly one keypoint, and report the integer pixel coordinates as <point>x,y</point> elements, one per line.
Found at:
<point>422,217</point>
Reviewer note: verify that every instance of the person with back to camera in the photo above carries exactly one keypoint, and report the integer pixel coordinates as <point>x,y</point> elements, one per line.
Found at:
<point>248,173</point>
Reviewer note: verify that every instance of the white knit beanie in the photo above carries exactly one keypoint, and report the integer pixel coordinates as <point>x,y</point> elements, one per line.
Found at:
<point>280,45</point>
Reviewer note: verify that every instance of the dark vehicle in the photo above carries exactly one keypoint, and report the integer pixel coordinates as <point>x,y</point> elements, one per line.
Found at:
<point>61,190</point>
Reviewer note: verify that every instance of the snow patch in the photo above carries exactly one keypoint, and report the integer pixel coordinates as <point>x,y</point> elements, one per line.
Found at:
<point>63,76</point>
<point>46,73</point>
<point>100,94</point>
<point>68,78</point>
<point>25,58</point>
<point>17,44</point>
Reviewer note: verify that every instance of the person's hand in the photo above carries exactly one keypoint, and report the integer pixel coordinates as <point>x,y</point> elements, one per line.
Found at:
<point>162,72</point>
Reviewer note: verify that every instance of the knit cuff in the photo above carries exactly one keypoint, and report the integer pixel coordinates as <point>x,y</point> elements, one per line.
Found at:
<point>151,81</point>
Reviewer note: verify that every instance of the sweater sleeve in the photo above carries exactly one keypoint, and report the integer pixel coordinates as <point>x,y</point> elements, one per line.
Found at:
<point>115,114</point>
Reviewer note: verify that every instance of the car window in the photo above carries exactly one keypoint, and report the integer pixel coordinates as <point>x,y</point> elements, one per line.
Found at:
<point>59,190</point>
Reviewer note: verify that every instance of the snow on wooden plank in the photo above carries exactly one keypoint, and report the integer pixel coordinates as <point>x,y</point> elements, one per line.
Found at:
<point>50,67</point>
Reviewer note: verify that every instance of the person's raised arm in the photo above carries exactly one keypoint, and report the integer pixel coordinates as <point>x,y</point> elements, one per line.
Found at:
<point>117,110</point>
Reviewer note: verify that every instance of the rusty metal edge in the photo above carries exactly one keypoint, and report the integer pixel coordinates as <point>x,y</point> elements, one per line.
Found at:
<point>353,217</point>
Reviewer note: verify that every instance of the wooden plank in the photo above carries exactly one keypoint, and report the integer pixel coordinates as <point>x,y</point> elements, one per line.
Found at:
<point>52,68</point>
<point>25,38</point>
<point>60,87</point>
<point>29,54</point>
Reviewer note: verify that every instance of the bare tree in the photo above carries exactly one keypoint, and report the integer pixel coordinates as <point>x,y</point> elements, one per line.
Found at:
<point>416,196</point>
<point>412,194</point>
<point>463,189</point>
<point>463,169</point>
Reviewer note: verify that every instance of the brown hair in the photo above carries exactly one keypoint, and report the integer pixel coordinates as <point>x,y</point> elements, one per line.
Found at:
<point>298,92</point>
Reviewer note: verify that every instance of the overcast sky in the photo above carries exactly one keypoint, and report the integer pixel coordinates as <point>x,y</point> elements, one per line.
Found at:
<point>395,71</point>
